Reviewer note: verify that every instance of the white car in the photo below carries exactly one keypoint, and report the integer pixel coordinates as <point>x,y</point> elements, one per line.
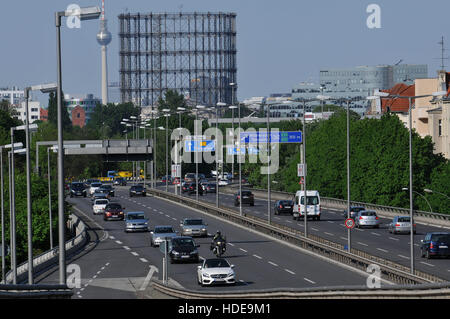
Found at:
<point>223,182</point>
<point>94,187</point>
<point>215,271</point>
<point>100,205</point>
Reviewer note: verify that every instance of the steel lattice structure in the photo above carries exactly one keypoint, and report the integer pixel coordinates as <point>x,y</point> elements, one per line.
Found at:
<point>193,53</point>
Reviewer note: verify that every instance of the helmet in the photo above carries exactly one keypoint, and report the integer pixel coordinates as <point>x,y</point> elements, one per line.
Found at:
<point>218,233</point>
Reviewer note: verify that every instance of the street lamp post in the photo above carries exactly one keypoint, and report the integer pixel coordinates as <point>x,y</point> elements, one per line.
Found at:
<point>431,191</point>
<point>426,200</point>
<point>50,198</point>
<point>84,14</point>
<point>268,165</point>
<point>219,106</point>
<point>167,147</point>
<point>180,111</point>
<point>198,107</point>
<point>240,156</point>
<point>232,107</point>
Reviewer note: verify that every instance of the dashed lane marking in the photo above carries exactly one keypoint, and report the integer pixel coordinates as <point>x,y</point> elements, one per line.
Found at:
<point>310,281</point>
<point>272,263</point>
<point>134,253</point>
<point>257,256</point>
<point>289,271</point>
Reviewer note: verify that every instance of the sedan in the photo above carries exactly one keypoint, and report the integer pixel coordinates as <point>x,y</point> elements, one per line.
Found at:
<point>99,206</point>
<point>284,207</point>
<point>247,198</point>
<point>159,234</point>
<point>354,210</point>
<point>367,218</point>
<point>113,211</point>
<point>401,224</point>
<point>183,249</point>
<point>137,190</point>
<point>110,189</point>
<point>216,271</point>
<point>136,221</point>
<point>194,227</point>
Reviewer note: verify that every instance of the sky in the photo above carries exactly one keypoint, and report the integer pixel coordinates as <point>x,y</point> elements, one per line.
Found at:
<point>280,43</point>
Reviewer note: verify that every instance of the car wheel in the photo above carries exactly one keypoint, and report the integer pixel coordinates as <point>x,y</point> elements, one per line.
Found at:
<point>171,260</point>
<point>318,217</point>
<point>427,254</point>
<point>151,243</point>
<point>252,204</point>
<point>421,253</point>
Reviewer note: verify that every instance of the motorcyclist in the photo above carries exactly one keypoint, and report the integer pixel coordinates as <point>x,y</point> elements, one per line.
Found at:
<point>217,238</point>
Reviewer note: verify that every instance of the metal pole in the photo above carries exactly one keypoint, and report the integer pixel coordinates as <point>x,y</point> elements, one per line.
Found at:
<point>268,164</point>
<point>3,215</point>
<point>349,242</point>
<point>154,155</point>
<point>232,128</point>
<point>217,159</point>
<point>239,156</point>
<point>411,188</point>
<point>13,213</point>
<point>29,207</point>
<point>305,217</point>
<point>61,215</point>
<point>12,221</point>
<point>50,200</point>
<point>196,162</point>
<point>167,152</point>
<point>181,161</point>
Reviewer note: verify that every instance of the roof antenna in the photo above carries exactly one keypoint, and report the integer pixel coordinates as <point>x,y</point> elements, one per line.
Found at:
<point>442,58</point>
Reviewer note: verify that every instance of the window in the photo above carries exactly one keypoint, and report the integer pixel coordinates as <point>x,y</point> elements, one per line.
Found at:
<point>440,128</point>
<point>78,115</point>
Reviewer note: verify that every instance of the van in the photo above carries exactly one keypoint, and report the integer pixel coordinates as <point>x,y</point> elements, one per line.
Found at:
<point>313,205</point>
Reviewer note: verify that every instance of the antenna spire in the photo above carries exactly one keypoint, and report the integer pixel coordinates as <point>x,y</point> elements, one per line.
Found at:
<point>103,10</point>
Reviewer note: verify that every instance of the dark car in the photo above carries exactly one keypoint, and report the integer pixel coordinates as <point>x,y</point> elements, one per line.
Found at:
<point>120,181</point>
<point>77,189</point>
<point>103,190</point>
<point>137,190</point>
<point>354,210</point>
<point>113,211</point>
<point>191,189</point>
<point>99,195</point>
<point>110,189</point>
<point>284,207</point>
<point>211,188</point>
<point>247,198</point>
<point>435,244</point>
<point>183,249</point>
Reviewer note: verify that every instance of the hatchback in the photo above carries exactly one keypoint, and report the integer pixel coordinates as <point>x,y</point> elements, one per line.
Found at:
<point>354,210</point>
<point>283,207</point>
<point>247,198</point>
<point>367,218</point>
<point>401,224</point>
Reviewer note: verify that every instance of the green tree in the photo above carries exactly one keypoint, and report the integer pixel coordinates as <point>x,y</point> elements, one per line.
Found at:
<point>53,112</point>
<point>172,100</point>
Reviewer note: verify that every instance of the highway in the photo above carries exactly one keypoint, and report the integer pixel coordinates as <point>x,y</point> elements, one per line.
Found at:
<point>378,242</point>
<point>120,264</point>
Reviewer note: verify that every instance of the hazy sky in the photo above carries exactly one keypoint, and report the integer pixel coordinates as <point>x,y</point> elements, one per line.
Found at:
<point>280,43</point>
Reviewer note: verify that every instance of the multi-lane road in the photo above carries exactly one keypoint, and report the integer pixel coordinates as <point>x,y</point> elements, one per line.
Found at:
<point>378,242</point>
<point>120,265</point>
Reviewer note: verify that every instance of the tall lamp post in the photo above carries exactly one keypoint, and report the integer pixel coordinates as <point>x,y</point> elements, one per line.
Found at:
<point>88,13</point>
<point>166,111</point>
<point>385,95</point>
<point>232,107</point>
<point>197,108</point>
<point>180,110</point>
<point>219,105</point>
<point>426,200</point>
<point>427,190</point>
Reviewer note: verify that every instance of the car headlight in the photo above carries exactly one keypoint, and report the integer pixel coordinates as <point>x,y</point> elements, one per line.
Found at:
<point>129,224</point>
<point>176,253</point>
<point>206,275</point>
<point>203,229</point>
<point>194,252</point>
<point>230,274</point>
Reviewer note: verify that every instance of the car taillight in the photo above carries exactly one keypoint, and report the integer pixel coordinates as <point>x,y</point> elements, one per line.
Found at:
<point>397,225</point>
<point>281,206</point>
<point>431,245</point>
<point>360,218</point>
<point>239,197</point>
<point>414,225</point>
<point>376,217</point>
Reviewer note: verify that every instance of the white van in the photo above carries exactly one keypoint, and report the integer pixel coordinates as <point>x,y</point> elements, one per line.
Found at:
<point>314,209</point>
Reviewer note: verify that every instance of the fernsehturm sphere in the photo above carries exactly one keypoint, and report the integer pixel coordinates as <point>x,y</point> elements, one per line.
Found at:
<point>104,38</point>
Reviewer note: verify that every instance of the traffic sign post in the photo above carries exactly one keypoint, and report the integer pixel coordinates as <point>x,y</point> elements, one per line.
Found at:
<point>349,223</point>
<point>301,170</point>
<point>176,170</point>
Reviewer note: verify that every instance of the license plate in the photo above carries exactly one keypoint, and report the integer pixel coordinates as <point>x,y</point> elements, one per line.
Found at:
<point>287,206</point>
<point>184,256</point>
<point>443,246</point>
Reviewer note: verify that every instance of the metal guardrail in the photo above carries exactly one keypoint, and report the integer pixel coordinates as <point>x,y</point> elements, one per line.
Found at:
<point>359,292</point>
<point>384,211</point>
<point>50,257</point>
<point>35,292</point>
<point>355,258</point>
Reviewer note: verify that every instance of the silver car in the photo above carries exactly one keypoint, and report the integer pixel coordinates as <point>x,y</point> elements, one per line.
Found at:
<point>160,233</point>
<point>194,227</point>
<point>401,224</point>
<point>136,221</point>
<point>367,218</point>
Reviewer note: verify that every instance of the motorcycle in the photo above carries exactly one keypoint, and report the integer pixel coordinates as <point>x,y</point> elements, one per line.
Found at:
<point>219,248</point>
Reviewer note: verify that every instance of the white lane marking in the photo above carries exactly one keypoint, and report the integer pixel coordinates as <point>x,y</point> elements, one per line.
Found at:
<point>314,229</point>
<point>134,253</point>
<point>148,278</point>
<point>257,256</point>
<point>376,234</point>
<point>383,250</point>
<point>289,221</point>
<point>167,216</point>
<point>277,218</point>
<point>161,213</point>
<point>396,239</point>
<point>331,222</point>
<point>155,210</point>
<point>330,234</point>
<point>403,257</point>
<point>174,218</point>
<point>95,276</point>
<point>427,264</point>
<point>103,268</point>
<point>144,260</point>
<point>289,271</point>
<point>98,272</point>
<point>273,264</point>
<point>362,244</point>
<point>243,250</point>
<point>119,242</point>
<point>126,247</point>
<point>310,281</point>
<point>344,238</point>
<point>112,237</point>
<point>231,244</point>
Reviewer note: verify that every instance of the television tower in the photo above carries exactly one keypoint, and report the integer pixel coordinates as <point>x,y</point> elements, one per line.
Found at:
<point>104,38</point>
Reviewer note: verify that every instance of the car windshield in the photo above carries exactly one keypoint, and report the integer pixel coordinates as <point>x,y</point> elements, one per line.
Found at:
<point>183,242</point>
<point>96,184</point>
<point>77,185</point>
<point>101,202</point>
<point>312,200</point>
<point>106,186</point>
<point>285,202</point>
<point>443,238</point>
<point>114,206</point>
<point>357,209</point>
<point>138,188</point>
<point>163,230</point>
<point>403,219</point>
<point>246,193</point>
<point>135,216</point>
<point>193,222</point>
<point>216,263</point>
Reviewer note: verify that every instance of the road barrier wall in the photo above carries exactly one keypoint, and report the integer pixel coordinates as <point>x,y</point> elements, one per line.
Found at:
<point>358,259</point>
<point>423,291</point>
<point>35,292</point>
<point>51,257</point>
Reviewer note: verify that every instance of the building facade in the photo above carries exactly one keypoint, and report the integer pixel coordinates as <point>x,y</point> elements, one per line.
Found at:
<point>87,102</point>
<point>34,111</point>
<point>13,95</point>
